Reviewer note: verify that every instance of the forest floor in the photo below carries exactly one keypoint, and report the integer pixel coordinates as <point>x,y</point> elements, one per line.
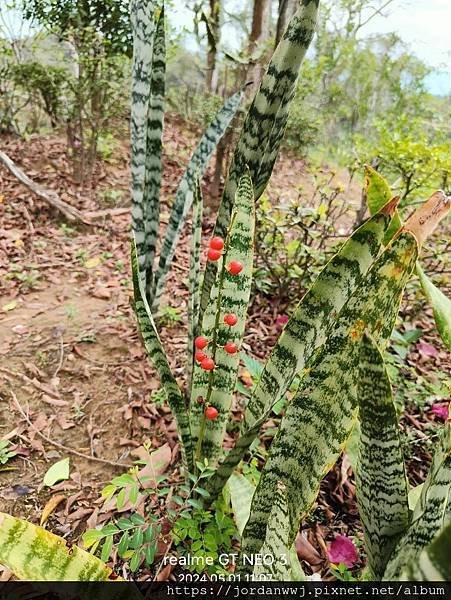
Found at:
<point>73,373</point>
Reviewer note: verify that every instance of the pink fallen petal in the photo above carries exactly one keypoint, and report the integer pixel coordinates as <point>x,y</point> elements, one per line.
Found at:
<point>426,349</point>
<point>343,550</point>
<point>281,320</point>
<point>441,410</point>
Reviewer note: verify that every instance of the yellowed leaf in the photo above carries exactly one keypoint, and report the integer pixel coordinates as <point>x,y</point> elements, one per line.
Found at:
<point>10,306</point>
<point>93,262</point>
<point>50,507</point>
<point>18,243</point>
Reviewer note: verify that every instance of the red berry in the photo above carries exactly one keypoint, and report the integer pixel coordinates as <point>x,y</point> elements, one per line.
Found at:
<point>231,348</point>
<point>217,243</point>
<point>208,364</point>
<point>211,412</point>
<point>230,319</point>
<point>213,254</point>
<point>200,400</point>
<point>235,267</point>
<point>201,342</point>
<point>200,356</point>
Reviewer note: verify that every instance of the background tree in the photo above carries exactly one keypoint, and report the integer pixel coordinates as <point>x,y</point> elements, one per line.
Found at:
<point>100,35</point>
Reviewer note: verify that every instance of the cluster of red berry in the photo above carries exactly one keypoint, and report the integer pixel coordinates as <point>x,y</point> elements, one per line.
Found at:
<point>208,364</point>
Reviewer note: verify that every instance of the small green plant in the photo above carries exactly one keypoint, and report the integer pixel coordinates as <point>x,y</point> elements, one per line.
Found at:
<point>112,196</point>
<point>169,316</point>
<point>28,278</point>
<point>5,452</point>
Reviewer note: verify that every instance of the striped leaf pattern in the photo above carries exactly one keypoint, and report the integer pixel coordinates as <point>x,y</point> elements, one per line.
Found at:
<point>34,554</point>
<point>433,563</point>
<point>265,123</point>
<point>154,145</point>
<point>184,195</point>
<point>381,483</point>
<point>157,356</point>
<point>143,26</point>
<point>194,276</point>
<point>378,193</point>
<point>306,331</point>
<point>319,419</point>
<point>278,543</point>
<point>230,294</point>
<point>432,512</point>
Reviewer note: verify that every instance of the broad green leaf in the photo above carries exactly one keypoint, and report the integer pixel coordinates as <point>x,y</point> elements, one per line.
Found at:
<point>153,164</point>
<point>264,126</point>
<point>378,193</point>
<point>241,492</point>
<point>306,331</point>
<point>321,415</point>
<point>57,472</point>
<point>432,512</point>
<point>230,294</point>
<point>185,192</point>
<point>433,563</point>
<point>143,28</point>
<point>381,483</point>
<point>194,276</point>
<point>34,554</point>
<point>441,305</point>
<point>157,355</point>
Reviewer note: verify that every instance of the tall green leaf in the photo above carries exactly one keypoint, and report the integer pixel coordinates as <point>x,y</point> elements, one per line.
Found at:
<point>265,123</point>
<point>306,331</point>
<point>441,305</point>
<point>320,417</point>
<point>34,554</point>
<point>154,145</point>
<point>279,544</point>
<point>143,27</point>
<point>184,195</point>
<point>378,193</point>
<point>381,483</point>
<point>156,354</point>
<point>433,563</point>
<point>230,294</point>
<point>241,492</point>
<point>432,512</point>
<point>194,276</point>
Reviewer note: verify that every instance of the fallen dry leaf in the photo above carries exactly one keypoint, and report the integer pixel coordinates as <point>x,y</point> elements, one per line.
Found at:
<point>50,507</point>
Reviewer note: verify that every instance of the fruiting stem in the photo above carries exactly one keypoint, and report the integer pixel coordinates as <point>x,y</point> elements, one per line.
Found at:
<point>214,343</point>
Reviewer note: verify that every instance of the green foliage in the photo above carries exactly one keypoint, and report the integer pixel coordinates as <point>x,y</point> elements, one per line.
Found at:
<point>110,18</point>
<point>294,240</point>
<point>416,161</point>
<point>6,452</point>
<point>134,538</point>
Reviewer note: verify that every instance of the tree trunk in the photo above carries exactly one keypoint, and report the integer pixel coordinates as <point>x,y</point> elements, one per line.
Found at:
<point>258,36</point>
<point>287,8</point>
<point>213,24</point>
